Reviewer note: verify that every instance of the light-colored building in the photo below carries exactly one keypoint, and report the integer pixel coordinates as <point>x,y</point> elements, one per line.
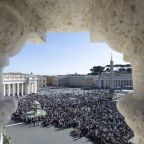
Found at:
<point>41,81</point>
<point>114,79</point>
<point>107,80</point>
<point>76,80</point>
<point>16,84</point>
<point>62,80</point>
<point>120,80</point>
<point>52,81</point>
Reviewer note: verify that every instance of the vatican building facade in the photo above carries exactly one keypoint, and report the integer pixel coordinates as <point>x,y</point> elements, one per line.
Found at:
<point>18,84</point>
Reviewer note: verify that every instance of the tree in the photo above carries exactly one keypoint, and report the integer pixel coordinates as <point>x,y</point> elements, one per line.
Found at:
<point>123,68</point>
<point>96,70</point>
<point>129,70</point>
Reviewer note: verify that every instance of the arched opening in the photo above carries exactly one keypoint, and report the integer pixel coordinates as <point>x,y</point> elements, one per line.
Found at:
<point>67,54</point>
<point>118,23</point>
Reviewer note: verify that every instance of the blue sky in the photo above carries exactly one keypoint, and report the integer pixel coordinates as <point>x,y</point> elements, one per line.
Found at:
<point>63,53</point>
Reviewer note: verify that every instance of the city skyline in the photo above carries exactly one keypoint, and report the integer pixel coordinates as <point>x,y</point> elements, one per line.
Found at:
<point>63,53</point>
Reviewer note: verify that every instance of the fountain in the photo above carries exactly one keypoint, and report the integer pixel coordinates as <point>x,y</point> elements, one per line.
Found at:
<point>36,110</point>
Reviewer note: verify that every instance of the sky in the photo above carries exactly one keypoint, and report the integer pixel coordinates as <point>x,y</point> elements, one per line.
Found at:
<point>63,53</point>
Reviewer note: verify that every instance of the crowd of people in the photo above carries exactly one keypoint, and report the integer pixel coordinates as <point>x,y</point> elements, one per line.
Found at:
<point>92,114</point>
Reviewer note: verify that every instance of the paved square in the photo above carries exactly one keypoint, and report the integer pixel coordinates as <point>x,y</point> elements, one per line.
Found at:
<point>25,134</point>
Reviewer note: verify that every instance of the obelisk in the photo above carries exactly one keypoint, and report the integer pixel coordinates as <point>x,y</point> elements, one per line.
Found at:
<point>111,88</point>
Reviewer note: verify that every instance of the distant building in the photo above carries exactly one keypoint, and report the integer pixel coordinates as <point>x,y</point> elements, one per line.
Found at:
<point>41,81</point>
<point>52,81</point>
<point>76,80</point>
<point>114,79</point>
<point>16,84</point>
<point>121,80</point>
<point>62,80</point>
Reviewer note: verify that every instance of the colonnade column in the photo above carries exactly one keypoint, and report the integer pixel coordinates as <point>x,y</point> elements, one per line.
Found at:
<point>9,89</point>
<point>123,83</point>
<point>35,87</point>
<point>31,90</point>
<point>4,89</point>
<point>13,89</point>
<point>18,89</point>
<point>28,88</point>
<point>22,87</point>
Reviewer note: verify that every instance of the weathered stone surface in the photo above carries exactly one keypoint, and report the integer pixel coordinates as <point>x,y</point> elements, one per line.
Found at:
<point>24,20</point>
<point>133,110</point>
<point>18,22</point>
<point>120,23</point>
<point>64,15</point>
<point>7,107</point>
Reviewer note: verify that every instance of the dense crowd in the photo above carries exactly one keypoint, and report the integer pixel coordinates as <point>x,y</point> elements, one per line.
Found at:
<point>91,114</point>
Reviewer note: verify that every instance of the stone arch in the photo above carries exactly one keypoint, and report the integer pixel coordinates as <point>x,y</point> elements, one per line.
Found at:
<point>120,23</point>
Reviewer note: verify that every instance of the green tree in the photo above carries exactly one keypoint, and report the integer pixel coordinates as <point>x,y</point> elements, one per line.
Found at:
<point>129,70</point>
<point>96,70</point>
<point>123,68</point>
